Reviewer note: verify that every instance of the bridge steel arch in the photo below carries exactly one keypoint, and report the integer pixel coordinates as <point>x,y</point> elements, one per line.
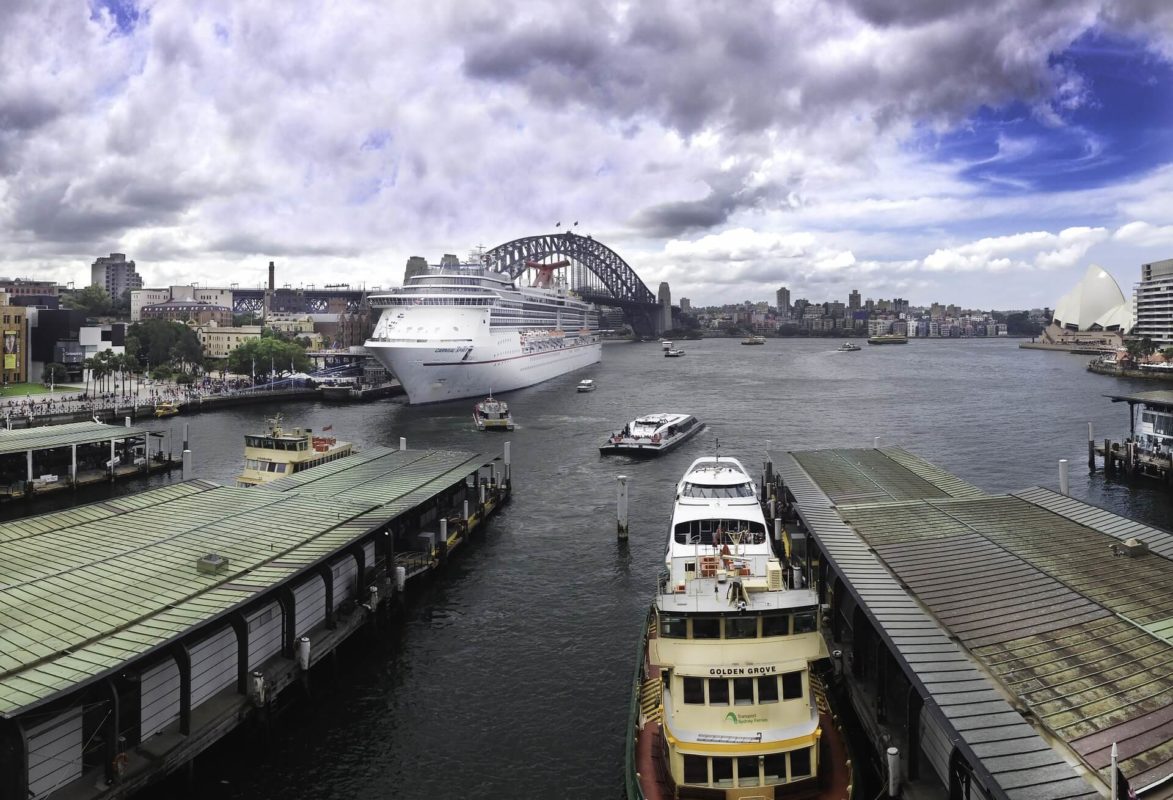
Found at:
<point>619,278</point>
<point>623,288</point>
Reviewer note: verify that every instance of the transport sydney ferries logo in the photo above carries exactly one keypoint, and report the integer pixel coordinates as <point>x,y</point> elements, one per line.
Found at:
<point>743,719</point>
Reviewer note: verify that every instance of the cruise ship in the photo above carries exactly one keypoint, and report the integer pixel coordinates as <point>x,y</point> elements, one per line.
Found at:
<point>461,330</point>
<point>730,700</point>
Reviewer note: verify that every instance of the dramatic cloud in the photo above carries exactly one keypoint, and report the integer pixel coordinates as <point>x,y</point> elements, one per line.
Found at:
<point>729,149</point>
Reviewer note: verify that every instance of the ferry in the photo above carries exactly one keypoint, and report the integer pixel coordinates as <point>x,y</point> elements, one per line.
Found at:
<point>730,699</point>
<point>586,385</point>
<point>888,338</point>
<point>848,347</point>
<point>457,330</point>
<point>492,415</point>
<point>665,344</point>
<point>166,409</point>
<point>754,340</point>
<point>277,453</point>
<point>652,434</point>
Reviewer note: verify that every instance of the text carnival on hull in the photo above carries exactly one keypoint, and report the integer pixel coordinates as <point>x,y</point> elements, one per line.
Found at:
<point>462,331</point>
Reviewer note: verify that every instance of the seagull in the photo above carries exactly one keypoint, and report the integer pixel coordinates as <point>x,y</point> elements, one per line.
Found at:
<point>558,225</point>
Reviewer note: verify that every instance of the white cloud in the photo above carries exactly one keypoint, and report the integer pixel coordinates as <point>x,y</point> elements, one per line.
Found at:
<point>726,152</point>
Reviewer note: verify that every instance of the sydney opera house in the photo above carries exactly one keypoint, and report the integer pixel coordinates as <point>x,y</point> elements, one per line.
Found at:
<point>1094,313</point>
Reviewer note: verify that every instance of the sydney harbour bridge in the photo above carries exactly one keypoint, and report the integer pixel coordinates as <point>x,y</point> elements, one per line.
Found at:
<point>594,271</point>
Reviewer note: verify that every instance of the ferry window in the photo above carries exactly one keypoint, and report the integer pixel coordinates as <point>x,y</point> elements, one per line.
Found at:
<point>1147,416</point>
<point>804,622</point>
<point>743,691</point>
<point>747,771</point>
<point>776,625</point>
<point>694,691</point>
<point>696,769</point>
<point>768,689</point>
<point>722,771</point>
<point>800,763</point>
<point>774,767</point>
<point>706,628</point>
<point>718,692</point>
<point>674,627</point>
<point>741,627</point>
<point>792,685</point>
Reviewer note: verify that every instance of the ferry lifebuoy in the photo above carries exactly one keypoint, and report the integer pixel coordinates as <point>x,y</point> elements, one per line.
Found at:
<point>656,439</point>
<point>121,761</point>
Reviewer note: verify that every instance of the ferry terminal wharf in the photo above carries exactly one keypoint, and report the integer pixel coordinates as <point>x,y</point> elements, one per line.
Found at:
<point>1140,454</point>
<point>1000,643</point>
<point>139,631</point>
<point>36,461</point>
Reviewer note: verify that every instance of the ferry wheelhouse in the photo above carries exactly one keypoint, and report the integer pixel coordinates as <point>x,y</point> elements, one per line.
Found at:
<point>458,330</point>
<point>652,434</point>
<point>277,453</point>
<point>730,698</point>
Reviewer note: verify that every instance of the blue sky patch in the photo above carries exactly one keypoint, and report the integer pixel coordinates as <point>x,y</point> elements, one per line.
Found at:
<point>124,12</point>
<point>1120,130</point>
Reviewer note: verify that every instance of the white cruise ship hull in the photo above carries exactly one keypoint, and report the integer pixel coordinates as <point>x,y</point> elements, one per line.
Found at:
<point>433,374</point>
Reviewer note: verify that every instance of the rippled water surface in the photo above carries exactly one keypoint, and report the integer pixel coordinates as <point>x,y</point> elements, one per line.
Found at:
<point>508,675</point>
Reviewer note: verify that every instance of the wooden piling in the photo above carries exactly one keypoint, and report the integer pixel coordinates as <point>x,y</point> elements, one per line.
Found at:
<point>1091,450</point>
<point>621,506</point>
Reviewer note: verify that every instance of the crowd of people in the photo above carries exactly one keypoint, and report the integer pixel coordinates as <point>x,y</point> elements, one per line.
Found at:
<point>147,396</point>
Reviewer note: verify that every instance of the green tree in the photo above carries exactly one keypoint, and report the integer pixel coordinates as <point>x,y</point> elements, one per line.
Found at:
<point>1147,347</point>
<point>54,373</point>
<point>268,355</point>
<point>159,341</point>
<point>1168,353</point>
<point>93,300</point>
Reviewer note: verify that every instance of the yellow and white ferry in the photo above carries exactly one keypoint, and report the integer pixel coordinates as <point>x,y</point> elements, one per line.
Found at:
<point>277,453</point>
<point>729,700</point>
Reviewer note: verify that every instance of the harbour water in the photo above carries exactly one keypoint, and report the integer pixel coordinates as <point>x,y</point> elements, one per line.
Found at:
<point>509,675</point>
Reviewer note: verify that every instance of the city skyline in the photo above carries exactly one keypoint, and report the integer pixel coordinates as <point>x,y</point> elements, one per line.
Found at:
<point>986,151</point>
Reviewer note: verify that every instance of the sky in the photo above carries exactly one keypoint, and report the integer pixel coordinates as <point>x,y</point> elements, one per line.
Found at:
<point>979,153</point>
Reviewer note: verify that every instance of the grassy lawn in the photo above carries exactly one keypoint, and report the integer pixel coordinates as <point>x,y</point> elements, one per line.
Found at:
<point>22,389</point>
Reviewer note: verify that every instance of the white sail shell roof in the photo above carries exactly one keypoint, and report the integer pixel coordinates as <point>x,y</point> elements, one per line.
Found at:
<point>1096,303</point>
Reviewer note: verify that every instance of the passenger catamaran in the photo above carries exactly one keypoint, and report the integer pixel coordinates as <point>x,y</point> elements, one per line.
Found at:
<point>729,699</point>
<point>458,329</point>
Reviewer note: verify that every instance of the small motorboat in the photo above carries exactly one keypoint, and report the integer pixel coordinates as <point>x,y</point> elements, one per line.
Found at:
<point>848,347</point>
<point>492,415</point>
<point>673,352</point>
<point>586,385</point>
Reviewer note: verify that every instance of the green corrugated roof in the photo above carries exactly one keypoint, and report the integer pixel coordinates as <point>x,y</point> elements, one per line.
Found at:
<point>84,590</point>
<point>72,433</point>
<point>890,473</point>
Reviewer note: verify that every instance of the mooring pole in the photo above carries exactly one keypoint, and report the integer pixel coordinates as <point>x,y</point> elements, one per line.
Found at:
<point>1091,449</point>
<point>876,442</point>
<point>402,442</point>
<point>621,506</point>
<point>508,473</point>
<point>1064,484</point>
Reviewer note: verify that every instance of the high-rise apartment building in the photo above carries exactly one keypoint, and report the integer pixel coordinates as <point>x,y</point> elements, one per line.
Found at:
<point>853,300</point>
<point>1153,302</point>
<point>115,274</point>
<point>783,303</point>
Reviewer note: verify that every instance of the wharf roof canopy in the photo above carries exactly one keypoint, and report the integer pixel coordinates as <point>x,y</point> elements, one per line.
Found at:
<point>85,591</point>
<point>49,436</point>
<point>1028,583</point>
<point>1096,303</point>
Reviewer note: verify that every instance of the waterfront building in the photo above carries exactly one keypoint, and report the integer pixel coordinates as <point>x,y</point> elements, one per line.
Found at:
<point>187,311</point>
<point>218,341</point>
<point>1093,313</point>
<point>685,305</point>
<point>782,300</point>
<point>853,300</point>
<point>1153,302</point>
<point>115,274</point>
<point>141,298</point>
<point>14,345</point>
